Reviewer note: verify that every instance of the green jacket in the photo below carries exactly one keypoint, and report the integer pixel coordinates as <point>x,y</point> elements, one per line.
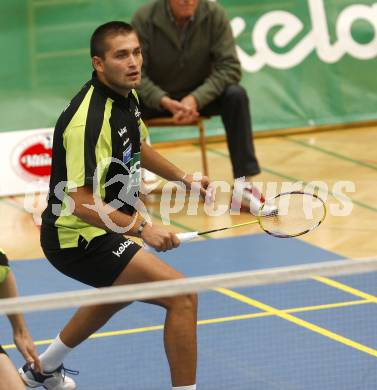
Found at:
<point>202,65</point>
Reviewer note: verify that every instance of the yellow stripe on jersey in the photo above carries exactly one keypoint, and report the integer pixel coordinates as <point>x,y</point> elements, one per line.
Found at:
<point>73,141</point>
<point>142,126</point>
<point>104,149</point>
<point>68,225</point>
<point>3,273</point>
<point>4,268</point>
<point>143,130</point>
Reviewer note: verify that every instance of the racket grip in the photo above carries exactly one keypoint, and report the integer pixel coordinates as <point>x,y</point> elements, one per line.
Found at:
<point>187,236</point>
<point>183,237</point>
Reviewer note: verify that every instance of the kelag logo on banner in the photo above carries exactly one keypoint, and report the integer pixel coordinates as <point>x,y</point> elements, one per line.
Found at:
<point>317,39</point>
<point>310,62</point>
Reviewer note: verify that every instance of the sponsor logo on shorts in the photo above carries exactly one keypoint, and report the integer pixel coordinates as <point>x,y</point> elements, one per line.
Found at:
<point>122,247</point>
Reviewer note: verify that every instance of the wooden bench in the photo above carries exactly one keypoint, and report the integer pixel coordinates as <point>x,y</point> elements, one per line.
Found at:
<point>199,123</point>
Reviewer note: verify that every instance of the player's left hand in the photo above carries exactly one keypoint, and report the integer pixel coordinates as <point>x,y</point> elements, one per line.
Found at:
<point>25,345</point>
<point>201,183</point>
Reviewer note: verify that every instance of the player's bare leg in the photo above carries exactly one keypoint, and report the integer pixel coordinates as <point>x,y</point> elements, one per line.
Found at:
<point>180,322</point>
<point>9,375</point>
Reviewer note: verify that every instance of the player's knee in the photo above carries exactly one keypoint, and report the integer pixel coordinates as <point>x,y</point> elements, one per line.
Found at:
<point>192,302</point>
<point>236,93</point>
<point>185,303</point>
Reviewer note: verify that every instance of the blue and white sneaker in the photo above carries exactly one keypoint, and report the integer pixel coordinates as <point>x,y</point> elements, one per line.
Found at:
<point>56,380</point>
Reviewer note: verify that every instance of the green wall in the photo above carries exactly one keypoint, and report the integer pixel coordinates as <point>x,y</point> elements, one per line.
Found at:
<point>46,60</point>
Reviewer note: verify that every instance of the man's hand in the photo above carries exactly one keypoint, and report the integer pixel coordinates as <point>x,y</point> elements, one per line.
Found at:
<point>190,102</point>
<point>25,345</point>
<point>160,239</point>
<point>184,112</point>
<point>173,106</point>
<point>191,113</point>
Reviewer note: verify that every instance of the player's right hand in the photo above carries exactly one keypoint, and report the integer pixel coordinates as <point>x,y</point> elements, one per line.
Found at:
<point>160,239</point>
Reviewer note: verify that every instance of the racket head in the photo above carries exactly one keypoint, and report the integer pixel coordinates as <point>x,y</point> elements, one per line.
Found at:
<point>297,213</point>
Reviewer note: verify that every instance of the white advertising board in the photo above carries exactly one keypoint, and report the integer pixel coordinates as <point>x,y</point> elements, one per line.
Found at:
<point>25,161</point>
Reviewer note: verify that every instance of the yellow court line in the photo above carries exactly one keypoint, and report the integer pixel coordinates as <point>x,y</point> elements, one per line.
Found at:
<point>298,321</point>
<point>126,331</point>
<point>327,306</point>
<point>348,289</point>
<point>211,321</point>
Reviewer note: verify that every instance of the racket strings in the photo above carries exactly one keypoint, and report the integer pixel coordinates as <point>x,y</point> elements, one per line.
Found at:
<point>297,213</point>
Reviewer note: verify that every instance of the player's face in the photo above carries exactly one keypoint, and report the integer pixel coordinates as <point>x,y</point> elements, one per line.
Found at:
<point>183,9</point>
<point>121,67</point>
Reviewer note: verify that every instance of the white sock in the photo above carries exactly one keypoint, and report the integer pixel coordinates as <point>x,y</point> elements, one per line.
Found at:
<point>192,387</point>
<point>54,355</point>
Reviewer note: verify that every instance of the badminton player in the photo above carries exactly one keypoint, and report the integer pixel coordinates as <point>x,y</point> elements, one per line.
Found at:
<point>98,149</point>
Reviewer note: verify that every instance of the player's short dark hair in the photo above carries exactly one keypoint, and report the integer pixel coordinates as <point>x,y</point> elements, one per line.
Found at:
<point>98,38</point>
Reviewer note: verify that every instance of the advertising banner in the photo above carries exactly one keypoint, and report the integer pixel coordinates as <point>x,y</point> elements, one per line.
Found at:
<point>25,161</point>
<point>305,62</point>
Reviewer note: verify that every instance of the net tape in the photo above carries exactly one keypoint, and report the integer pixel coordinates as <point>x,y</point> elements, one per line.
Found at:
<point>144,291</point>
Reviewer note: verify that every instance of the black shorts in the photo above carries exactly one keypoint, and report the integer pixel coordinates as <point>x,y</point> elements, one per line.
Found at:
<point>4,260</point>
<point>98,263</point>
<point>2,350</point>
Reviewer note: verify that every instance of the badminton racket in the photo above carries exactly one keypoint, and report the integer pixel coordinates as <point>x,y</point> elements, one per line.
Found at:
<point>295,213</point>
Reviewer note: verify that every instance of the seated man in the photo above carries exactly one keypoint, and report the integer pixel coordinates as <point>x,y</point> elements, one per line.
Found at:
<point>191,68</point>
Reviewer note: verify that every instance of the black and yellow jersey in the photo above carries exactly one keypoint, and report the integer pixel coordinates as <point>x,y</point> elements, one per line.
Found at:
<point>96,143</point>
<point>4,266</point>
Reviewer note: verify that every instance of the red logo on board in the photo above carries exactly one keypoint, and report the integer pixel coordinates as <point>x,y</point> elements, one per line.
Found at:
<point>32,156</point>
